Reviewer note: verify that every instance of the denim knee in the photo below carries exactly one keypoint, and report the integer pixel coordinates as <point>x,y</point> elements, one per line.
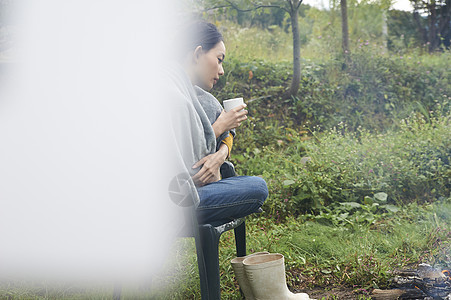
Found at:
<point>260,189</point>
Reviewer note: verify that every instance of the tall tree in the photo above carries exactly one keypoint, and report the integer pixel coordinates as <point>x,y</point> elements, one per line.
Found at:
<point>289,6</point>
<point>437,32</point>
<point>344,27</point>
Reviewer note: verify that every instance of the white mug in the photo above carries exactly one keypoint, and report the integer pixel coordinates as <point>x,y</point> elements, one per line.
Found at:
<point>231,103</point>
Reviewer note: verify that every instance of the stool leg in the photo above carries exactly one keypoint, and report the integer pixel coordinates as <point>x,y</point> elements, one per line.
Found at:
<point>202,271</point>
<point>240,240</point>
<point>210,241</point>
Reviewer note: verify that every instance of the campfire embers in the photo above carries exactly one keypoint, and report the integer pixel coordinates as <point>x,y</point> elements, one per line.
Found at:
<point>425,282</point>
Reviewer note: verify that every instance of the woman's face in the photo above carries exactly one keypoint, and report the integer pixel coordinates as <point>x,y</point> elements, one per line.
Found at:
<point>208,67</point>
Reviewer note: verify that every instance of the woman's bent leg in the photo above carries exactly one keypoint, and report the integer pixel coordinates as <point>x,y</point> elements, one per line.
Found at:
<point>230,198</point>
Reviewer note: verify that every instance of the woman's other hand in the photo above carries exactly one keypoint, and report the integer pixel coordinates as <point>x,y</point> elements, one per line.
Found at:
<point>211,165</point>
<point>229,120</point>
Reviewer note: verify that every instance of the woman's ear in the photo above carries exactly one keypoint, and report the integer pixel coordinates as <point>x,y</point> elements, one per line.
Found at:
<point>197,53</point>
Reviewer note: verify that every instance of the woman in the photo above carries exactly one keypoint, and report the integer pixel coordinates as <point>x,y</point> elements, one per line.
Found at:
<point>221,200</point>
<point>206,52</point>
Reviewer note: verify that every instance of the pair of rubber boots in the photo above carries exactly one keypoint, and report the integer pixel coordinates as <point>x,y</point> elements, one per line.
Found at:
<point>261,276</point>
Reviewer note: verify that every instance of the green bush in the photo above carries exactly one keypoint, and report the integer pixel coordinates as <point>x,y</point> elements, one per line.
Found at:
<point>307,171</point>
<point>373,90</point>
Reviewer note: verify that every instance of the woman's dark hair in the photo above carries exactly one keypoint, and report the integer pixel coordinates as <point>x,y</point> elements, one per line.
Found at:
<point>200,33</point>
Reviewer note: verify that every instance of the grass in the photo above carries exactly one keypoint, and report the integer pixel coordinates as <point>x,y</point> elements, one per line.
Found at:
<point>321,44</point>
<point>319,256</point>
<point>251,43</point>
<point>272,44</point>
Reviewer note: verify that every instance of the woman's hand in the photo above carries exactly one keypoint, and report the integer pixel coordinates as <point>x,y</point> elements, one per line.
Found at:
<point>229,120</point>
<point>211,165</point>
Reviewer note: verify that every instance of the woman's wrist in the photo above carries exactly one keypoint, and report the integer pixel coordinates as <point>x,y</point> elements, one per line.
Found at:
<point>223,151</point>
<point>218,128</point>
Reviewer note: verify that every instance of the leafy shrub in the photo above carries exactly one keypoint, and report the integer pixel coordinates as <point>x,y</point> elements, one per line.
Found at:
<point>373,90</point>
<point>306,171</point>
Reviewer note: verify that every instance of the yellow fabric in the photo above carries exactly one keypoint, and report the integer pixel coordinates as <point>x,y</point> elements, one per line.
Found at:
<point>229,143</point>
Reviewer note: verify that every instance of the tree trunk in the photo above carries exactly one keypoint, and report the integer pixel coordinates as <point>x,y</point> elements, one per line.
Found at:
<point>344,27</point>
<point>433,37</point>
<point>294,13</point>
<point>421,29</point>
<point>444,21</point>
<point>385,29</point>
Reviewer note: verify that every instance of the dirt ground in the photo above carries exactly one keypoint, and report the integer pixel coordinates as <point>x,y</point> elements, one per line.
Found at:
<point>330,293</point>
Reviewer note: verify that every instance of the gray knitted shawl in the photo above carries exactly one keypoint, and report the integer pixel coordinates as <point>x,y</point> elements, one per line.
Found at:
<point>213,109</point>
<point>193,135</point>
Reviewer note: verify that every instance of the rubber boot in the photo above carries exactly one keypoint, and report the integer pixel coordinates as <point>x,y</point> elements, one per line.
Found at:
<point>266,276</point>
<point>237,265</point>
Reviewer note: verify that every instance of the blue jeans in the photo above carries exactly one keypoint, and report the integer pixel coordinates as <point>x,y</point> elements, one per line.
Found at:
<point>230,198</point>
